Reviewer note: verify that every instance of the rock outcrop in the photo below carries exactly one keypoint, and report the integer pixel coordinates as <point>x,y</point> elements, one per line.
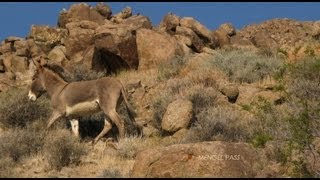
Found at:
<point>206,159</point>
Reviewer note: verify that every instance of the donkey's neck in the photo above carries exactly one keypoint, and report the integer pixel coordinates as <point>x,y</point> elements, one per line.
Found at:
<point>54,84</point>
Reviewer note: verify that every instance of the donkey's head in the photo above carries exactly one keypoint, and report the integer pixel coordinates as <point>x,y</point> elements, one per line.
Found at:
<point>37,86</point>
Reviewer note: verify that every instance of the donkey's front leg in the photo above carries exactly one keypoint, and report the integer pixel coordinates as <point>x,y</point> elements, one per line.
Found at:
<point>54,116</point>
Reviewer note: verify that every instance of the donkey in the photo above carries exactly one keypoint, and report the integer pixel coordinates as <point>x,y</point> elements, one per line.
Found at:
<point>75,99</point>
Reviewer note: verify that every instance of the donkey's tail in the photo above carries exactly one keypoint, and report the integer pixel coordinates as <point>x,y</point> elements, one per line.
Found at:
<point>131,111</point>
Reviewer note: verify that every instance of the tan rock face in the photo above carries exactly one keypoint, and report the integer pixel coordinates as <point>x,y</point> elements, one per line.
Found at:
<point>79,12</point>
<point>46,37</point>
<point>154,48</point>
<point>57,54</point>
<point>169,23</point>
<point>206,159</point>
<point>80,37</point>
<point>197,27</point>
<point>118,46</point>
<point>177,116</point>
<point>231,91</point>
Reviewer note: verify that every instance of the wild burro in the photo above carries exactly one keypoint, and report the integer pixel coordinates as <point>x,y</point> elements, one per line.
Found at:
<point>75,99</point>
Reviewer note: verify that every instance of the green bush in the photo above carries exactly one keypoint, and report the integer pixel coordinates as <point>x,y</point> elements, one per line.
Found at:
<point>159,106</point>
<point>218,123</point>
<point>82,73</point>
<point>167,70</point>
<point>111,173</point>
<point>17,143</point>
<point>244,66</point>
<point>62,149</point>
<point>16,110</point>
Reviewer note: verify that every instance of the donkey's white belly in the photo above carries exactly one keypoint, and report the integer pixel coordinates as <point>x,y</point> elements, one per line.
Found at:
<point>83,108</point>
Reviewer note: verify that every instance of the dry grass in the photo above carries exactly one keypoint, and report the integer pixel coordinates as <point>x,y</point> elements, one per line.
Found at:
<point>62,149</point>
<point>220,123</point>
<point>82,73</point>
<point>244,66</point>
<point>130,146</point>
<point>16,110</point>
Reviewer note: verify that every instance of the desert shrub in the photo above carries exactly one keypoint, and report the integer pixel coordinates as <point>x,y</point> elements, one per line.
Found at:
<point>62,149</point>
<point>82,73</point>
<point>245,66</point>
<point>218,123</point>
<point>304,81</point>
<point>159,106</point>
<point>17,143</point>
<point>171,68</point>
<point>111,173</point>
<point>6,167</point>
<point>16,110</point>
<point>202,97</point>
<point>129,147</point>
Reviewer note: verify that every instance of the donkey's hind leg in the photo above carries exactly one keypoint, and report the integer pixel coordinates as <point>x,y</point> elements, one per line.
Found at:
<point>105,130</point>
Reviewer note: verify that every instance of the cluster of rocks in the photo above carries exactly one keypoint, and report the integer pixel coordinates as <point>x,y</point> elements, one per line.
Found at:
<point>93,36</point>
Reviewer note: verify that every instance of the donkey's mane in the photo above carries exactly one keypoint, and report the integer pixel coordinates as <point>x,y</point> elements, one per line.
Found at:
<point>56,69</point>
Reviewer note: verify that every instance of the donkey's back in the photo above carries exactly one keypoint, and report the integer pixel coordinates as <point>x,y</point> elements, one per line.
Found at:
<point>87,97</point>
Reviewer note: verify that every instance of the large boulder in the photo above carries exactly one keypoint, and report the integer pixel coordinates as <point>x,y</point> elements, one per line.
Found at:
<point>13,63</point>
<point>154,48</point>
<point>231,91</point>
<point>104,10</point>
<point>79,12</point>
<point>203,32</point>
<point>47,37</point>
<point>117,47</point>
<point>177,115</point>
<point>124,14</point>
<point>169,23</point>
<point>196,44</point>
<point>80,37</point>
<point>206,159</point>
<point>136,22</point>
<point>21,48</point>
<point>57,54</point>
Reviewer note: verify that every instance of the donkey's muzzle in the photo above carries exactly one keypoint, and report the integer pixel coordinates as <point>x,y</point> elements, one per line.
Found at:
<point>32,96</point>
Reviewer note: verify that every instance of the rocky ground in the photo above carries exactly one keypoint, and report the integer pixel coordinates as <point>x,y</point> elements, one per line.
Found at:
<point>211,103</point>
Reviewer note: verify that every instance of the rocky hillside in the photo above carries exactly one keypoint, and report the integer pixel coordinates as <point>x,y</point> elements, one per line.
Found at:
<point>211,103</point>
<point>105,42</point>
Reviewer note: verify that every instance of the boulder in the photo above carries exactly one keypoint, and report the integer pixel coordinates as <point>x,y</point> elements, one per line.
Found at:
<point>33,49</point>
<point>231,91</point>
<point>136,22</point>
<point>228,28</point>
<point>80,37</point>
<point>104,10</point>
<point>203,32</point>
<point>18,63</point>
<point>79,12</point>
<point>205,159</point>
<point>13,39</point>
<point>116,46</point>
<point>177,115</point>
<point>47,37</point>
<point>169,23</point>
<point>125,13</point>
<point>154,48</point>
<point>57,54</point>
<point>196,43</point>
<point>21,48</point>
<point>6,48</point>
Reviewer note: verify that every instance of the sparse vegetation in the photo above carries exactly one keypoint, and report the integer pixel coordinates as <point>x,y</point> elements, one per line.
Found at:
<point>167,70</point>
<point>62,149</point>
<point>16,110</point>
<point>244,66</point>
<point>82,73</point>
